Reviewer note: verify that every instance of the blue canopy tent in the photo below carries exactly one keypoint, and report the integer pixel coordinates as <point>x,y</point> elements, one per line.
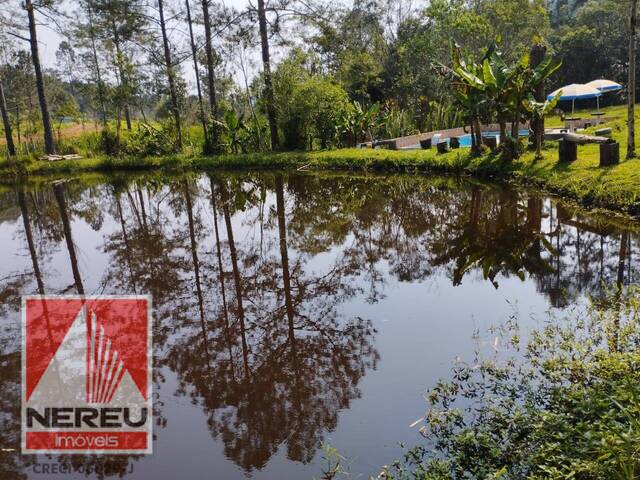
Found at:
<point>575,91</point>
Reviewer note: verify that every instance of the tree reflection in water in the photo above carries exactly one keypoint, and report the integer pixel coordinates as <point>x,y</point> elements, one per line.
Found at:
<point>250,275</point>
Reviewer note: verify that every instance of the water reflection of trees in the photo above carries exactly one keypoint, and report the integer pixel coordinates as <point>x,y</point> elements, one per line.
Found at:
<point>280,362</point>
<point>249,274</point>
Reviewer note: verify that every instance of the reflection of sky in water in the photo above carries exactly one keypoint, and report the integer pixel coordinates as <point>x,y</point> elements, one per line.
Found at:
<point>422,325</point>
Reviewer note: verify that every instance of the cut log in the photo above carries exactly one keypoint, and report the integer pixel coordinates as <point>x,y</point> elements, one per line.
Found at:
<point>443,147</point>
<point>609,154</point>
<point>567,151</point>
<point>584,139</point>
<point>425,144</point>
<point>454,142</point>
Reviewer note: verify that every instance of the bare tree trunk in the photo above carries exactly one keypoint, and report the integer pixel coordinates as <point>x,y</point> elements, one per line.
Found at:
<point>266,66</point>
<point>538,51</point>
<point>631,84</point>
<point>175,110</point>
<point>11,148</point>
<point>101,96</point>
<point>194,53</point>
<point>123,78</point>
<point>208,48</point>
<point>18,123</point>
<point>49,145</point>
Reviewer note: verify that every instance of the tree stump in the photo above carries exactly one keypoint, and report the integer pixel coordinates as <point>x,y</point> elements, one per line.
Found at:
<point>443,147</point>
<point>567,151</point>
<point>609,154</point>
<point>425,144</point>
<point>454,142</point>
<point>491,142</point>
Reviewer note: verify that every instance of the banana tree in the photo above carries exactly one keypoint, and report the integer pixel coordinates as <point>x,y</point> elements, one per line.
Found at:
<point>537,111</point>
<point>234,128</point>
<point>495,89</point>
<point>470,89</point>
<point>502,80</point>
<point>361,122</point>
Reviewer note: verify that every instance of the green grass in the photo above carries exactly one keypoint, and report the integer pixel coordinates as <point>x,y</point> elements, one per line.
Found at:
<point>616,187</point>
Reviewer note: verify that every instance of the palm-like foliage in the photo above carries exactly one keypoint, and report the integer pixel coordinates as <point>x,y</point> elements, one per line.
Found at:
<point>493,89</point>
<point>234,130</point>
<point>361,122</point>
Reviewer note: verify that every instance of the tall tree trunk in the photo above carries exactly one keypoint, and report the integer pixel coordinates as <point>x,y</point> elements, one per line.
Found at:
<point>208,48</point>
<point>11,148</point>
<point>175,109</point>
<point>58,190</point>
<point>18,123</point>
<point>266,66</point>
<point>101,96</point>
<point>124,82</point>
<point>631,84</point>
<point>194,54</point>
<point>49,146</point>
<point>538,51</point>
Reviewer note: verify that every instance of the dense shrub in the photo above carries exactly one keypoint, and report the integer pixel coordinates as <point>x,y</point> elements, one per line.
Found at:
<point>146,140</point>
<point>109,142</point>
<point>318,104</point>
<point>149,140</point>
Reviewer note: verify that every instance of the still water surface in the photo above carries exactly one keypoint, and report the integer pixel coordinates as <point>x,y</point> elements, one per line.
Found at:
<point>340,300</point>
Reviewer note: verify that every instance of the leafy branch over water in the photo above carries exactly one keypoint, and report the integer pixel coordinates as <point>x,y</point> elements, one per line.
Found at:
<point>565,403</point>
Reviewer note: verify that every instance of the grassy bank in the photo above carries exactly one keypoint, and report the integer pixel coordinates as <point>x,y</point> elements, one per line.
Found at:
<point>616,188</point>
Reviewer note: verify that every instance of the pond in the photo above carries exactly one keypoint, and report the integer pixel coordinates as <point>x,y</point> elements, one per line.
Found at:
<point>340,300</point>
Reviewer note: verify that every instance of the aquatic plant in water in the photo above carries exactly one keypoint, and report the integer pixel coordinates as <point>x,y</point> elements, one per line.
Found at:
<point>564,403</point>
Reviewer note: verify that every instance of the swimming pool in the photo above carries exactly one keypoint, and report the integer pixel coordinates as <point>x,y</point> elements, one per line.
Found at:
<point>465,140</point>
